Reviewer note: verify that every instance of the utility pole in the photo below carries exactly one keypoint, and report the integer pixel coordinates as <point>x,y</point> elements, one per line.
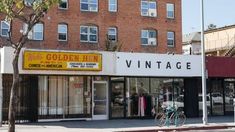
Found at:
<point>204,105</point>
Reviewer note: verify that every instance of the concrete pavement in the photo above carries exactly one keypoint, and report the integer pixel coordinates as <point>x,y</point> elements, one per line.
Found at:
<point>222,122</point>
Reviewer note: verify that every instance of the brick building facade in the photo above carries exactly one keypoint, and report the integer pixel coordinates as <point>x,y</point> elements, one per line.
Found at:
<point>129,18</point>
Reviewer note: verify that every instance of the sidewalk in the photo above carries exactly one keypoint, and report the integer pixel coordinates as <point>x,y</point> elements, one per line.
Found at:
<point>223,122</point>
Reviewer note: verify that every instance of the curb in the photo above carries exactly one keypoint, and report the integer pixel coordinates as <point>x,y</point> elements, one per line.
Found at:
<point>208,127</point>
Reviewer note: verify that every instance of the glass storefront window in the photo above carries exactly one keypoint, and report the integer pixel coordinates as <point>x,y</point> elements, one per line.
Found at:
<point>146,96</point>
<point>64,96</point>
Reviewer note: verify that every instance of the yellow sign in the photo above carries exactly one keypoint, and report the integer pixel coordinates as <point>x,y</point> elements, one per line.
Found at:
<point>38,60</point>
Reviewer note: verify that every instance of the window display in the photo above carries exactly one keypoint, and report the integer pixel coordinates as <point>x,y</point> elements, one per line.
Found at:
<point>64,96</point>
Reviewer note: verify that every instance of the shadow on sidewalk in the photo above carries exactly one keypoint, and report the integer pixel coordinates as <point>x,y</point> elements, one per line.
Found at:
<point>126,123</point>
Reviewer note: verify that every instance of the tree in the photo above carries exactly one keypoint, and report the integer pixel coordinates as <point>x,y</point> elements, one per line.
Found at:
<point>112,45</point>
<point>29,12</point>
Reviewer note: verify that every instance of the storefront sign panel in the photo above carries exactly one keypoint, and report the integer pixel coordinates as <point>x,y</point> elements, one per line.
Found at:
<point>158,65</point>
<point>38,60</point>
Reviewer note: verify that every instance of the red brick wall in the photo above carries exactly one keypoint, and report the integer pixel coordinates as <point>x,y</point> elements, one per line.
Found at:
<point>127,19</point>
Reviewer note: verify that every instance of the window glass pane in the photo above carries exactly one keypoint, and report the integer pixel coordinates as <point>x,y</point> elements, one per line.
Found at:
<point>170,42</point>
<point>170,35</point>
<point>144,4</point>
<point>38,28</point>
<point>62,28</point>
<point>83,29</point>
<point>5,32</point>
<point>93,38</point>
<point>170,7</point>
<point>38,36</point>
<point>112,1</point>
<point>170,14</point>
<point>152,5</point>
<point>112,37</point>
<point>5,25</point>
<point>63,4</point>
<point>144,33</point>
<point>84,37</point>
<point>93,7</point>
<point>112,31</point>
<point>112,7</point>
<point>144,40</point>
<point>152,34</point>
<point>84,6</point>
<point>93,1</point>
<point>62,36</point>
<point>93,30</point>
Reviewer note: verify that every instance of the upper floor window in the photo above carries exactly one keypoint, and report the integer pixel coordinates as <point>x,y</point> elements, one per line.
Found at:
<point>112,34</point>
<point>113,5</point>
<point>89,34</point>
<point>148,37</point>
<point>36,33</point>
<point>170,39</point>
<point>63,4</point>
<point>148,8</point>
<point>89,5</point>
<point>5,27</point>
<point>170,10</point>
<point>62,32</point>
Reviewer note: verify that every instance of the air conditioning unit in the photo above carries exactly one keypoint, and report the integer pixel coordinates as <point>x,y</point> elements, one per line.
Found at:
<point>152,13</point>
<point>152,41</point>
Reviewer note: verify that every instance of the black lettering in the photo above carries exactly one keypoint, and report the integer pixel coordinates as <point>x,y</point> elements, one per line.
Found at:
<point>147,64</point>
<point>138,64</point>
<point>168,65</point>
<point>178,65</point>
<point>188,65</point>
<point>128,63</point>
<point>159,64</point>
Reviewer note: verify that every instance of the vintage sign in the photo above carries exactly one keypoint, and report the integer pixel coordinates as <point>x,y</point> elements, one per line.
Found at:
<point>162,65</point>
<point>39,60</point>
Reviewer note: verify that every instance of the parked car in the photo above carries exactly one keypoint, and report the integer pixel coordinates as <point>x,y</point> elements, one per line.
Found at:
<point>200,103</point>
<point>217,98</point>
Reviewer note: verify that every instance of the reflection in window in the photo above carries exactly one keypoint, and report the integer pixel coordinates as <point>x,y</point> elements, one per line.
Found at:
<point>157,92</point>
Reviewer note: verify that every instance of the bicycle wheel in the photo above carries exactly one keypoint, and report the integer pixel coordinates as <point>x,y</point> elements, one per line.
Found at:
<point>181,119</point>
<point>162,120</point>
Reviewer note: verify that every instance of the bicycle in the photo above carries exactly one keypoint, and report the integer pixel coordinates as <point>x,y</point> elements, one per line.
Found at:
<point>170,116</point>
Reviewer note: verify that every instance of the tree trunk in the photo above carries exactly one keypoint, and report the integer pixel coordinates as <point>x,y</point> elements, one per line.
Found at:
<point>13,97</point>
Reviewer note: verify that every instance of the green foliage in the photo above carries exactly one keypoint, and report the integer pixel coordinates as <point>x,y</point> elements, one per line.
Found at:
<point>17,8</point>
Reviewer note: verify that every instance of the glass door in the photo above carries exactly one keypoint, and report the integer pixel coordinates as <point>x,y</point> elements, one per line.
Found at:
<point>117,100</point>
<point>229,94</point>
<point>100,100</point>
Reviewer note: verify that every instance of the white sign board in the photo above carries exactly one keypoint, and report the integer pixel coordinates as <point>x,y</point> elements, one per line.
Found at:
<point>158,65</point>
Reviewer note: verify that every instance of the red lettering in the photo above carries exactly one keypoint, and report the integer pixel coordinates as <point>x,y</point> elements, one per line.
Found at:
<point>48,57</point>
<point>54,57</point>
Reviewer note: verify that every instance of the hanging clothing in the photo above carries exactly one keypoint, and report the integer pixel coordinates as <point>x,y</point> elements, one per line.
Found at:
<point>142,106</point>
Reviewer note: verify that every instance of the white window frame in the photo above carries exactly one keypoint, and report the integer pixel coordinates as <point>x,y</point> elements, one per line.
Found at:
<point>149,10</point>
<point>89,33</point>
<point>65,1</point>
<point>61,32</point>
<point>114,34</point>
<point>170,38</point>
<point>31,34</point>
<point>8,29</point>
<point>150,40</point>
<point>170,7</point>
<point>115,5</point>
<point>89,5</point>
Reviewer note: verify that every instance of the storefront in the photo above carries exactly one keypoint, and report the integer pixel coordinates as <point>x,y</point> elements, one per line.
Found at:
<point>69,85</point>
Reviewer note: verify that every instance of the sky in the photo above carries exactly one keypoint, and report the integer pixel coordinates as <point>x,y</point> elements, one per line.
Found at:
<point>217,12</point>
